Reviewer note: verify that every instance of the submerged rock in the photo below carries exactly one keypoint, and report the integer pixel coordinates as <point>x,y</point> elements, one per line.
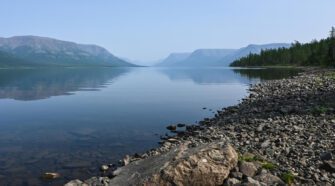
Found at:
<point>180,125</point>
<point>172,127</point>
<point>104,168</point>
<point>51,175</point>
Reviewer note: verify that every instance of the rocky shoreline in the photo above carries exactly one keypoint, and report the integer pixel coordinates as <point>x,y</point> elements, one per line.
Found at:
<point>282,134</point>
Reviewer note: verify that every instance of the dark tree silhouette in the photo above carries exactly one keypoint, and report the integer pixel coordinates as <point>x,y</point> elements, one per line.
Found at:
<point>315,53</point>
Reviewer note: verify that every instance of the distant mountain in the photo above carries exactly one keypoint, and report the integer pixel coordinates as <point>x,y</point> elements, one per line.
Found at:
<point>34,50</point>
<point>173,59</point>
<point>200,57</point>
<point>215,57</point>
<point>253,49</point>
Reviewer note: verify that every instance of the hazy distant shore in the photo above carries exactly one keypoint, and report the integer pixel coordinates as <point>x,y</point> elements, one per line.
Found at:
<point>282,133</point>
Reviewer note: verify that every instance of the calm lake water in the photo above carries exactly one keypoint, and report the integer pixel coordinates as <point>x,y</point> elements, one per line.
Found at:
<point>72,120</point>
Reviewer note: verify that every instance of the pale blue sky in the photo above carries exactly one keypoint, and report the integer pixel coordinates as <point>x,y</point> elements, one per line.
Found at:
<point>151,29</point>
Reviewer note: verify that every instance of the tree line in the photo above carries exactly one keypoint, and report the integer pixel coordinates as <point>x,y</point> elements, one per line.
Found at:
<point>315,53</point>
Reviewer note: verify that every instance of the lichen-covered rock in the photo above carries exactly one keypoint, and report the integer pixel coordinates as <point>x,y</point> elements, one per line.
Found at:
<point>209,166</point>
<point>203,165</point>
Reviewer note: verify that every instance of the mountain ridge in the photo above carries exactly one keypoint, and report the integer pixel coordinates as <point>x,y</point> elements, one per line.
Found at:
<point>219,57</point>
<point>47,51</point>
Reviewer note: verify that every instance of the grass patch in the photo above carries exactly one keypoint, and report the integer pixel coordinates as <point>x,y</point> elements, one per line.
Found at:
<point>288,177</point>
<point>331,75</point>
<point>319,110</point>
<point>254,158</point>
<point>269,166</point>
<point>250,158</point>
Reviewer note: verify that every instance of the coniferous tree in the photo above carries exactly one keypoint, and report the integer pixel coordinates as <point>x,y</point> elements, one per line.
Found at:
<point>315,53</point>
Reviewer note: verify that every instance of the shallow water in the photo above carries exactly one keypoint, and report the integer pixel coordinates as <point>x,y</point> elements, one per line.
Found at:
<point>72,120</point>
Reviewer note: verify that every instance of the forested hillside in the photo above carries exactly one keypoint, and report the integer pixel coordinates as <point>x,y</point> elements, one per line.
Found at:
<point>315,53</point>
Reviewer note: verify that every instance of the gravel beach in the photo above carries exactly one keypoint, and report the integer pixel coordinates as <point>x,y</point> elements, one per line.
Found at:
<point>283,133</point>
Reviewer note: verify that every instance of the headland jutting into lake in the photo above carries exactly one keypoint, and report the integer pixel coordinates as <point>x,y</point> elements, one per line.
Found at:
<point>282,133</point>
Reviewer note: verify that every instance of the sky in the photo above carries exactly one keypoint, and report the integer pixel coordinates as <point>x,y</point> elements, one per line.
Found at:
<point>149,30</point>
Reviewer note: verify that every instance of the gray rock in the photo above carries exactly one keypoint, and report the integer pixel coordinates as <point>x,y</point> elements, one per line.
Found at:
<point>251,182</point>
<point>265,144</point>
<point>248,168</point>
<point>232,182</point>
<point>172,127</point>
<point>269,179</point>
<point>75,183</point>
<point>181,125</point>
<point>97,181</point>
<point>51,175</point>
<point>237,175</point>
<point>104,168</point>
<point>326,156</point>
<point>329,166</point>
<point>126,160</point>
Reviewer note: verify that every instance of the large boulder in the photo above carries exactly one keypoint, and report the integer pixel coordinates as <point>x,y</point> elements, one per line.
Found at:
<point>203,165</point>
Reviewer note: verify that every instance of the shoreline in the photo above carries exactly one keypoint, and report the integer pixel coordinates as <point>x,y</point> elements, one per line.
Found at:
<point>275,131</point>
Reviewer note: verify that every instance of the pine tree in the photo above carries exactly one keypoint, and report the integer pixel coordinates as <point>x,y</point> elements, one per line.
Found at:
<point>332,33</point>
<point>315,53</point>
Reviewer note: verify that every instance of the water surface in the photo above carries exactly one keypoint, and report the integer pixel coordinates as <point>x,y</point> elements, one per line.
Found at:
<point>71,120</point>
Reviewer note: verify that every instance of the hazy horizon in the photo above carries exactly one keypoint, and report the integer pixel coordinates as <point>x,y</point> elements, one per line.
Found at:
<point>149,30</point>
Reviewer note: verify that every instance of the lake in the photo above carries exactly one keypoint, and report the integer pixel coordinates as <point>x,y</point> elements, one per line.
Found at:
<point>72,120</point>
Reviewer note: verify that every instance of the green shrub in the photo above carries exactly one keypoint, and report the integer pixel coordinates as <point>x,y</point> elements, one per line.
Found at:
<point>319,110</point>
<point>288,177</point>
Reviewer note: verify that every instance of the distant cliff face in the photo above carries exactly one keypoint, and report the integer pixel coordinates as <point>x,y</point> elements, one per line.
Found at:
<point>36,50</point>
<point>215,57</point>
